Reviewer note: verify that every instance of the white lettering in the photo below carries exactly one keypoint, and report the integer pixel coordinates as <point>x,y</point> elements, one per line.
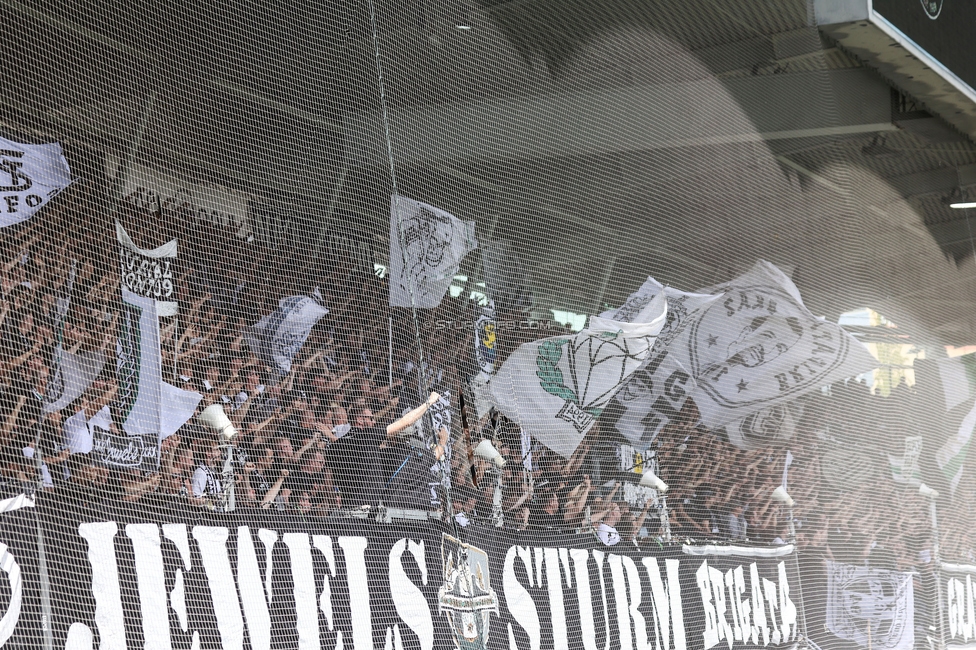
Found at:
<point>787,610</point>
<point>581,558</point>
<point>742,605</point>
<point>10,617</point>
<point>627,604</point>
<point>557,609</point>
<point>354,549</point>
<point>105,583</point>
<point>520,603</point>
<point>152,584</point>
<point>408,599</point>
<point>718,589</point>
<point>212,541</point>
<point>710,634</point>
<point>666,601</point>
<point>769,588</point>
<point>733,603</point>
<point>176,533</point>
<point>324,544</point>
<point>971,627</point>
<point>598,556</point>
<point>758,607</point>
<point>303,581</point>
<point>953,605</point>
<point>252,591</point>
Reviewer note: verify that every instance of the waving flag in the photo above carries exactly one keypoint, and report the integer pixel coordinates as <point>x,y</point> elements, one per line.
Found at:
<point>555,388</point>
<point>30,176</point>
<point>426,249</point>
<point>278,337</point>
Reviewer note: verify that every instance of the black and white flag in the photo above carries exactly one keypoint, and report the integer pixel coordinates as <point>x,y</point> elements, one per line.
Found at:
<point>149,273</point>
<point>30,176</point>
<point>73,374</point>
<point>278,337</point>
<point>754,348</point>
<point>759,346</point>
<point>656,392</point>
<point>426,248</point>
<point>770,427</point>
<point>873,608</point>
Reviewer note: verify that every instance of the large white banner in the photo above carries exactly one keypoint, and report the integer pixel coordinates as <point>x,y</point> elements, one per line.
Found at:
<point>278,337</point>
<point>30,176</point>
<point>72,375</point>
<point>642,406</point>
<point>426,248</point>
<point>873,608</point>
<point>555,388</point>
<point>759,346</point>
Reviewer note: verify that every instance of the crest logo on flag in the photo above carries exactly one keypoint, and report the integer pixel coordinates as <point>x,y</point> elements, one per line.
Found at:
<point>583,356</point>
<point>757,327</point>
<point>466,597</point>
<point>485,333</point>
<point>10,165</point>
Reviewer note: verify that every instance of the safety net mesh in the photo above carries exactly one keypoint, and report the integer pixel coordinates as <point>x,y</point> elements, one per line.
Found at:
<point>494,323</point>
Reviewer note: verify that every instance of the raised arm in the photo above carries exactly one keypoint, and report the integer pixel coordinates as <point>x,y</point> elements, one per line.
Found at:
<point>275,489</point>
<point>412,417</point>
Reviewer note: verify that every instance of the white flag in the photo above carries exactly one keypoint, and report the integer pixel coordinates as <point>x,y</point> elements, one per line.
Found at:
<point>758,346</point>
<point>278,337</point>
<point>871,607</point>
<point>632,311</point>
<point>904,468</point>
<point>73,374</point>
<point>426,249</point>
<point>555,388</point>
<point>657,391</point>
<point>139,366</point>
<point>178,407</point>
<point>149,272</point>
<point>951,456</point>
<point>30,176</point>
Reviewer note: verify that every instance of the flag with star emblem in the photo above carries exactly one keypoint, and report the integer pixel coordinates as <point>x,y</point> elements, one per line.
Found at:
<point>758,346</point>
<point>557,387</point>
<point>754,348</point>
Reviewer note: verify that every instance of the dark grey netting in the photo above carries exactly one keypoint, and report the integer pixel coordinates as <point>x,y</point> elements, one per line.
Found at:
<point>512,324</point>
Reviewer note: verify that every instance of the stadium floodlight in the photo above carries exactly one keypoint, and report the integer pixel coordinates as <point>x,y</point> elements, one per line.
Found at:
<point>963,205</point>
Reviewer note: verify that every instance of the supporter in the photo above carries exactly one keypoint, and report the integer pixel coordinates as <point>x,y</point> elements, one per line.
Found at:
<point>363,485</point>
<point>207,484</point>
<point>309,438</point>
<point>737,524</point>
<point>93,412</point>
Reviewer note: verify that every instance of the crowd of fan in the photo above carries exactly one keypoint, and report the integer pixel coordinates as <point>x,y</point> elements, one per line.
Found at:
<point>340,430</point>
